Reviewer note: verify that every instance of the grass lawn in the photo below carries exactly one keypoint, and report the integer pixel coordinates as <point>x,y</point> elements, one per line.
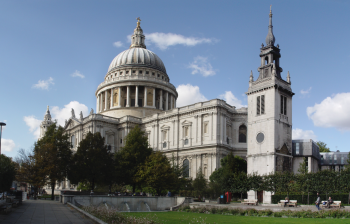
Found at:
<point>189,217</point>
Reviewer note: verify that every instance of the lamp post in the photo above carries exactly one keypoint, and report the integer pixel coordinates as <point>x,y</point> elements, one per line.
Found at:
<point>1,124</point>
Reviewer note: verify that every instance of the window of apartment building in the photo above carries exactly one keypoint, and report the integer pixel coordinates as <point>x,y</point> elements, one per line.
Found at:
<point>260,105</point>
<point>335,159</point>
<point>342,160</point>
<point>73,141</point>
<point>283,105</point>
<point>297,148</point>
<point>321,158</point>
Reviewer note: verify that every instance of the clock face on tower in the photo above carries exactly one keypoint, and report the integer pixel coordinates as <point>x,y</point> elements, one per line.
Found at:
<point>260,137</point>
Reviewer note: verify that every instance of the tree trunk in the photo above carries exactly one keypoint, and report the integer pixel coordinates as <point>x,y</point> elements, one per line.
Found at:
<point>92,185</point>
<point>133,188</point>
<point>308,198</point>
<point>241,196</point>
<point>349,198</point>
<point>52,191</point>
<point>110,189</point>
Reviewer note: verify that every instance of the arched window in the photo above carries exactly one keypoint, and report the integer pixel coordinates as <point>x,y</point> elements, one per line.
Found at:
<point>242,134</point>
<point>186,166</point>
<point>266,60</point>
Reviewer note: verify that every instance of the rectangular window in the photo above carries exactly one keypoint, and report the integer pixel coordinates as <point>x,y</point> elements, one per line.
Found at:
<point>297,148</point>
<point>335,159</point>
<point>121,141</point>
<point>342,160</point>
<point>73,141</point>
<point>258,105</point>
<point>283,105</point>
<point>262,104</point>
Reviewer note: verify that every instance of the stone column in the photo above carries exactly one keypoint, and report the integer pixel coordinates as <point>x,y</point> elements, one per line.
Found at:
<point>137,97</point>
<point>154,98</point>
<point>167,101</point>
<point>171,102</point>
<point>119,97</point>
<point>145,97</point>
<point>97,106</point>
<point>161,100</point>
<point>128,96</point>
<point>112,97</point>
<point>106,99</point>
<point>309,167</point>
<point>101,102</point>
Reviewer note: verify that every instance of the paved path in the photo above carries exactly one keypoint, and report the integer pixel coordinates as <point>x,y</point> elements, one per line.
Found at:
<point>44,212</point>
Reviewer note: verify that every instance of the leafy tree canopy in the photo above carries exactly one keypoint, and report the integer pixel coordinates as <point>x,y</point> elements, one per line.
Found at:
<point>91,162</point>
<point>156,173</point>
<point>133,155</point>
<point>53,155</point>
<point>7,172</point>
<point>323,146</point>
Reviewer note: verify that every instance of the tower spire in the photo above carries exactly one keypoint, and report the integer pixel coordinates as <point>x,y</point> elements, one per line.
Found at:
<point>138,39</point>
<point>270,38</point>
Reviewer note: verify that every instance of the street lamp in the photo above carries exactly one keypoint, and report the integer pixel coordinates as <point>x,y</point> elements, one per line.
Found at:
<point>1,124</point>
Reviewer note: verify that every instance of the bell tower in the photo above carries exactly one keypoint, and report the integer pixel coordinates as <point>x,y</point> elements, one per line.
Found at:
<point>269,116</point>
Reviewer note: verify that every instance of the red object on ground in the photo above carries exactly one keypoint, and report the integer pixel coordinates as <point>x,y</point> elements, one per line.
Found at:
<point>228,197</point>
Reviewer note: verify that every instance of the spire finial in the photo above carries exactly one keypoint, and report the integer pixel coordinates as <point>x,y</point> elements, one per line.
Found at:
<point>47,108</point>
<point>288,77</point>
<point>270,38</point>
<point>138,21</point>
<point>138,39</point>
<point>251,76</point>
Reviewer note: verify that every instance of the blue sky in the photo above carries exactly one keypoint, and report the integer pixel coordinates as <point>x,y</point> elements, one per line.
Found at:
<point>56,53</point>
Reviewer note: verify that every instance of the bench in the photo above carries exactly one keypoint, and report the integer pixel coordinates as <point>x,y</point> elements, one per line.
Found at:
<point>290,203</point>
<point>335,204</point>
<point>250,201</point>
<point>12,201</point>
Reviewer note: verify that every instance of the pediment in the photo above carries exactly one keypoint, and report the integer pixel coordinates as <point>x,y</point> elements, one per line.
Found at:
<point>284,150</point>
<point>165,127</point>
<point>186,123</point>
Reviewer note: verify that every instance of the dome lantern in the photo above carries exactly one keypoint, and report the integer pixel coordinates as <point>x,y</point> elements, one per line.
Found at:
<point>138,39</point>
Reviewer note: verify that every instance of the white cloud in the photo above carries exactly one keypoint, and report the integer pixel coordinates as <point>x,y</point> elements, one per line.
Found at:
<point>77,74</point>
<point>231,99</point>
<point>118,44</point>
<point>305,92</point>
<point>332,112</point>
<point>189,94</point>
<point>33,124</point>
<point>44,84</point>
<point>202,66</point>
<point>7,145</point>
<point>65,113</point>
<point>303,134</point>
<point>165,40</point>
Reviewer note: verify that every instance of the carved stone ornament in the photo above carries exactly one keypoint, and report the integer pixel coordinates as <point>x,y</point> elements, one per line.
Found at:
<point>73,114</point>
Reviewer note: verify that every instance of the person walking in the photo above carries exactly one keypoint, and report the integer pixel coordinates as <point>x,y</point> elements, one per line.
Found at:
<point>318,201</point>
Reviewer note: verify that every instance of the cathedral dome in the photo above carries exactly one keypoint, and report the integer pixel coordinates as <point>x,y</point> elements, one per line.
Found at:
<point>137,56</point>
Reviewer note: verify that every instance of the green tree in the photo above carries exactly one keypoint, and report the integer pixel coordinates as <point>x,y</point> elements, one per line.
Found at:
<point>133,154</point>
<point>200,183</point>
<point>255,182</point>
<point>156,173</point>
<point>323,146</point>
<point>28,170</point>
<point>302,166</point>
<point>230,165</point>
<point>7,172</point>
<point>240,183</point>
<point>344,179</point>
<point>348,162</point>
<point>92,162</point>
<point>53,155</point>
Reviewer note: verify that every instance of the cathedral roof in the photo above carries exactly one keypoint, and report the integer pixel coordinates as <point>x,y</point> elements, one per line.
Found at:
<point>137,55</point>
